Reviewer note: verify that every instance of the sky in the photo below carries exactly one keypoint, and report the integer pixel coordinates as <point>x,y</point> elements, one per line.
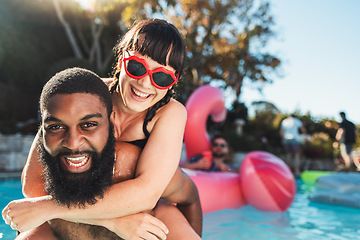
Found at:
<point>318,42</point>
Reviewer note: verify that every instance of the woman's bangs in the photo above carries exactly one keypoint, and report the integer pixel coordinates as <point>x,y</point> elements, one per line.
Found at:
<point>157,45</point>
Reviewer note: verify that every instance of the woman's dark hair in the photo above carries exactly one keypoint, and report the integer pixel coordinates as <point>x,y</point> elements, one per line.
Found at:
<point>154,38</point>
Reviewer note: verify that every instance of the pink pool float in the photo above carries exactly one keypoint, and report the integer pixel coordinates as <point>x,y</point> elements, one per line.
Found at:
<point>264,181</point>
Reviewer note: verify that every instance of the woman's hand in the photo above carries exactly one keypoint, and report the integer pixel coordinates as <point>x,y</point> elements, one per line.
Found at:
<point>136,226</point>
<point>28,213</point>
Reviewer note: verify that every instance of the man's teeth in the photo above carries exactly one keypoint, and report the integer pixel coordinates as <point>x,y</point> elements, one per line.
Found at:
<point>71,160</point>
<point>140,94</point>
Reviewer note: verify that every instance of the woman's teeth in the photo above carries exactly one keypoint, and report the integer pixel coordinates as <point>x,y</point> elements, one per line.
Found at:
<point>140,94</point>
<point>71,161</point>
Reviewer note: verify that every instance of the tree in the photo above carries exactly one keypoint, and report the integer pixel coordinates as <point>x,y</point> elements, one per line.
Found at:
<point>225,41</point>
<point>93,32</point>
<point>31,40</point>
<point>41,37</point>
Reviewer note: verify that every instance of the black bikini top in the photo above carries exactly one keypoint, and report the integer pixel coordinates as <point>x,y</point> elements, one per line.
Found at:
<point>141,142</point>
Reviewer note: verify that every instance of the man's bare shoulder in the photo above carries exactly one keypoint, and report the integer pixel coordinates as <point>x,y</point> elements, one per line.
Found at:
<point>127,156</point>
<point>69,230</point>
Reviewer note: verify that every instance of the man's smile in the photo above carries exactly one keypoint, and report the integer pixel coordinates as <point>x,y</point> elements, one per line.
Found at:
<point>77,163</point>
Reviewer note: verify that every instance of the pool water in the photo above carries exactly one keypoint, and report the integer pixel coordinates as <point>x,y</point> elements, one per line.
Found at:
<point>9,190</point>
<point>303,220</point>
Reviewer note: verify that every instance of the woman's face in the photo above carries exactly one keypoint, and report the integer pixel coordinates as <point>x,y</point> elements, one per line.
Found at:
<point>140,94</point>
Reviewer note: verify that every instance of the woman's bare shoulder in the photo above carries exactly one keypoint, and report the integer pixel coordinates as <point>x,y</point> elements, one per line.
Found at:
<point>174,108</point>
<point>175,105</point>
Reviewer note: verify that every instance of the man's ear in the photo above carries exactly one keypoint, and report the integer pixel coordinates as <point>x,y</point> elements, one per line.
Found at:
<point>112,117</point>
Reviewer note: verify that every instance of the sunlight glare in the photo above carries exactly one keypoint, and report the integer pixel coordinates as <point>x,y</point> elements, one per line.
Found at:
<point>85,4</point>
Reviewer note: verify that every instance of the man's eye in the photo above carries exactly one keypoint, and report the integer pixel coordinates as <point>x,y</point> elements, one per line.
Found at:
<point>53,128</point>
<point>88,125</point>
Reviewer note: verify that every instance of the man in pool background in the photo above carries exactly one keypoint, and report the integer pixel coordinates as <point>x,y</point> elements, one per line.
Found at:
<point>221,157</point>
<point>62,115</point>
<point>345,139</point>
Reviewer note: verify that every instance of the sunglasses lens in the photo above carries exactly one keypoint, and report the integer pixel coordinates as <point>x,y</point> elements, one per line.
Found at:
<point>136,68</point>
<point>222,145</point>
<point>163,79</point>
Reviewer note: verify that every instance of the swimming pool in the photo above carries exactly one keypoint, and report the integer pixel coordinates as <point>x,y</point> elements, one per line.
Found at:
<point>303,220</point>
<point>9,190</point>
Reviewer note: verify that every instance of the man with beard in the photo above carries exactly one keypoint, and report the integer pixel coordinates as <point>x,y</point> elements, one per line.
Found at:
<point>76,147</point>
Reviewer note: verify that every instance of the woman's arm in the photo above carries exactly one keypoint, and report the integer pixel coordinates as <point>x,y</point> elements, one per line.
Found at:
<point>135,226</point>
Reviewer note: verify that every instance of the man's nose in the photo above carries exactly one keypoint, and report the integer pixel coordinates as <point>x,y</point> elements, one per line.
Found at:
<point>73,139</point>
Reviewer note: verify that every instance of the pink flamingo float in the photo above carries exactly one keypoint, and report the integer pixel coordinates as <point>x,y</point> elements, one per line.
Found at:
<point>264,181</point>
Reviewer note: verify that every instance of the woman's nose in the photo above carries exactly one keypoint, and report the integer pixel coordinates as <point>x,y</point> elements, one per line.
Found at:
<point>145,81</point>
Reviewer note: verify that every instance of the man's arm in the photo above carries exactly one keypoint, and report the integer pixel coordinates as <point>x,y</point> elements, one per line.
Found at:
<point>199,163</point>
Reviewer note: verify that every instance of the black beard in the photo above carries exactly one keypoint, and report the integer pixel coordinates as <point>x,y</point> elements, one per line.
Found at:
<point>78,189</point>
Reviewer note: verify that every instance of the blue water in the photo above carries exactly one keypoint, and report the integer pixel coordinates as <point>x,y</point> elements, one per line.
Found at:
<point>303,220</point>
<point>9,190</point>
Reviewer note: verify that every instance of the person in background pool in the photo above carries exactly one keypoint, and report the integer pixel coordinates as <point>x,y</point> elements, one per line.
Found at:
<point>150,60</point>
<point>289,131</point>
<point>219,159</point>
<point>345,139</point>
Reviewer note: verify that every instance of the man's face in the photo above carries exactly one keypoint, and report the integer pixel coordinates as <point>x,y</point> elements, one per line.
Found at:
<point>76,147</point>
<point>220,148</point>
<point>72,125</point>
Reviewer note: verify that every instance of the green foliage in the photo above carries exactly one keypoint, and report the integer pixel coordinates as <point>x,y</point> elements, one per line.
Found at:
<point>225,41</point>
<point>262,132</point>
<point>244,143</point>
<point>68,63</point>
<point>318,146</point>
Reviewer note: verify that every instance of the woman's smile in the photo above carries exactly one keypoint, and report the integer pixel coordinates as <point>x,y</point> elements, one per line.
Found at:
<point>139,94</point>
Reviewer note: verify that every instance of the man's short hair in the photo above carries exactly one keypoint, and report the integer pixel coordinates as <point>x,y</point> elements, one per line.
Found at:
<point>76,80</point>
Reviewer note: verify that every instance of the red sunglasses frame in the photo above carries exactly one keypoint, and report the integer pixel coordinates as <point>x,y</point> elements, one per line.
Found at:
<point>150,72</point>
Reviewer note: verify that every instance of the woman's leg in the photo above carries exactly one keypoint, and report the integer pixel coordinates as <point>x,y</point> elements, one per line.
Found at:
<point>179,227</point>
